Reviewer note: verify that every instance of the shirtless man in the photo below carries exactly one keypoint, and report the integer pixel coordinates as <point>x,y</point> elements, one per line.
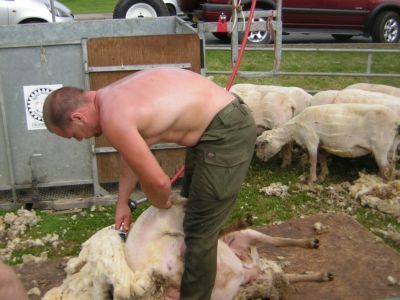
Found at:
<point>177,106</point>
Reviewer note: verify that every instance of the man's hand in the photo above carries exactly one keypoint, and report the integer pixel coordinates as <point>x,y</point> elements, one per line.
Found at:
<point>169,202</point>
<point>123,216</point>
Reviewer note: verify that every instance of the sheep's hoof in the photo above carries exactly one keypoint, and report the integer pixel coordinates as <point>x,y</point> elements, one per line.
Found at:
<point>248,219</point>
<point>314,243</point>
<point>311,181</point>
<point>327,276</point>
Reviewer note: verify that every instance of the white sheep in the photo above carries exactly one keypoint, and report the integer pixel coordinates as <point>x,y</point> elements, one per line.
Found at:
<point>149,265</point>
<point>272,106</point>
<point>356,96</point>
<point>253,92</point>
<point>381,88</point>
<point>346,130</point>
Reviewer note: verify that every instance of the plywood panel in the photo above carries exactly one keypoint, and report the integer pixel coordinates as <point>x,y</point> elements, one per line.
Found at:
<point>139,50</point>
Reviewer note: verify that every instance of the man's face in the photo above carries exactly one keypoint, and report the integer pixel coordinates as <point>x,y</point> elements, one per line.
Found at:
<point>77,130</point>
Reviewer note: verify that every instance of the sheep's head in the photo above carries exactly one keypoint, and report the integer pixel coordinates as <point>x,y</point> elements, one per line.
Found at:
<point>266,146</point>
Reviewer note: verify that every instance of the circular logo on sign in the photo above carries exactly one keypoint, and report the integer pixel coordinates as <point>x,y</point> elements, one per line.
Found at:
<point>35,102</point>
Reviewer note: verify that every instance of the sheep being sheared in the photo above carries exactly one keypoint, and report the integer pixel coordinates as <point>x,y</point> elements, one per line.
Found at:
<point>380,88</point>
<point>346,130</point>
<point>272,106</point>
<point>150,264</point>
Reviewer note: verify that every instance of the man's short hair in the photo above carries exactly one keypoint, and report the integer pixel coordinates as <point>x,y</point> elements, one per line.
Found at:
<point>59,104</point>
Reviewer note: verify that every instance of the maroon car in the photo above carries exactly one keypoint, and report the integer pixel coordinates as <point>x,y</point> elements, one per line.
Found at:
<point>343,19</point>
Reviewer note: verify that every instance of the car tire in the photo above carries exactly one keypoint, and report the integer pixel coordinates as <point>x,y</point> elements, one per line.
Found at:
<point>342,37</point>
<point>171,10</point>
<point>127,9</point>
<point>386,28</point>
<point>257,37</point>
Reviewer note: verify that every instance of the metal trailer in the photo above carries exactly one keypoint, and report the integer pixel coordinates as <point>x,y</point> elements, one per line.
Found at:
<point>37,58</point>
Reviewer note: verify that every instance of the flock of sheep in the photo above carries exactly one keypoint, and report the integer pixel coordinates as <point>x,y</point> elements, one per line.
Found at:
<point>360,119</point>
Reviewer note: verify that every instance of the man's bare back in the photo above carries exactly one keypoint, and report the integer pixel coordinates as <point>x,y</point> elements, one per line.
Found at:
<point>165,105</point>
<point>135,112</point>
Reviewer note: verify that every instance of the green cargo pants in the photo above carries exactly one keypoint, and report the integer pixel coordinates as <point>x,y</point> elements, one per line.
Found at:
<point>214,171</point>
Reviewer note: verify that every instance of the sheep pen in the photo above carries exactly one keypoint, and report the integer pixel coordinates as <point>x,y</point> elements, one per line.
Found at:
<point>354,214</point>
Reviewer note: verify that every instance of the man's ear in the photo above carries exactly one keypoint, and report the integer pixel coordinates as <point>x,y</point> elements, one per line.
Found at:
<point>76,116</point>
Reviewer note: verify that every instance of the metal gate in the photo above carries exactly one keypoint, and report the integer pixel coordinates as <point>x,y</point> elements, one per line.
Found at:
<point>36,58</point>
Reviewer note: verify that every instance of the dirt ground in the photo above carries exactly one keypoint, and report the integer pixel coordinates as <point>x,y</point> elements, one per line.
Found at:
<point>360,262</point>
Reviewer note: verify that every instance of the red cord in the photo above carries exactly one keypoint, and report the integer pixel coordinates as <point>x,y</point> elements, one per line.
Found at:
<point>244,42</point>
<point>178,174</point>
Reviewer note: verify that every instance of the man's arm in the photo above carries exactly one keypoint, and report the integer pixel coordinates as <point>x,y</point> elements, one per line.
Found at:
<point>127,183</point>
<point>137,155</point>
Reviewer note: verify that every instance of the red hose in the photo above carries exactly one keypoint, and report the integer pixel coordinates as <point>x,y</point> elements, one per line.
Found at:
<point>243,46</point>
<point>178,174</point>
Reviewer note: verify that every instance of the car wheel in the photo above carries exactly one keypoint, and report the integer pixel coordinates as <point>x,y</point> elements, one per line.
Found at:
<point>171,10</point>
<point>128,9</point>
<point>342,37</point>
<point>257,37</point>
<point>33,21</point>
<point>386,28</point>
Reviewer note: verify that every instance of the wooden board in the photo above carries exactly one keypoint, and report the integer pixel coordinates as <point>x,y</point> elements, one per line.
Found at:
<point>139,50</point>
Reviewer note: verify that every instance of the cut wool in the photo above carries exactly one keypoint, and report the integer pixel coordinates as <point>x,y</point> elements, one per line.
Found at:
<point>374,192</point>
<point>276,189</point>
<point>12,227</point>
<point>100,265</point>
<point>388,234</point>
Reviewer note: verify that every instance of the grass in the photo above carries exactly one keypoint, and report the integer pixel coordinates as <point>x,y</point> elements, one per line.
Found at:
<point>84,7</point>
<point>219,60</point>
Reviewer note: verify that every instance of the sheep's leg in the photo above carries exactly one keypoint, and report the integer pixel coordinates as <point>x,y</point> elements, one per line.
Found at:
<point>238,225</point>
<point>307,136</point>
<point>322,155</point>
<point>393,156</point>
<point>255,237</point>
<point>287,155</point>
<point>315,277</point>
<point>275,287</point>
<point>381,158</point>
<point>313,167</point>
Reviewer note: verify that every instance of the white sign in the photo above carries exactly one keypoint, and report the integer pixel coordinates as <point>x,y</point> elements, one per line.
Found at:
<point>34,96</point>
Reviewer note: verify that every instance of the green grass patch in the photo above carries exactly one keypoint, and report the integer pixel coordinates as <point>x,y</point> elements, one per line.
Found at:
<point>84,7</point>
<point>293,61</point>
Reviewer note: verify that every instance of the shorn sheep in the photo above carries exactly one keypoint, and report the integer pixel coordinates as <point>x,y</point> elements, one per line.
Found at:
<point>149,265</point>
<point>272,106</point>
<point>356,96</point>
<point>381,88</point>
<point>346,130</point>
